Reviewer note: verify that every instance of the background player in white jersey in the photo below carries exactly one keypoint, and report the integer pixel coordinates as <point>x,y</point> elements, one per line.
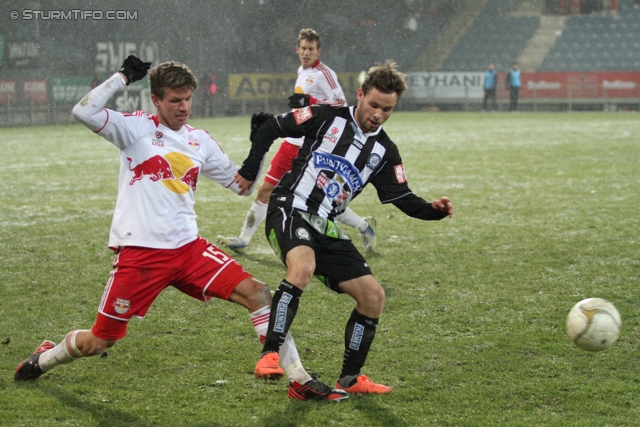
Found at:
<point>344,150</point>
<point>154,231</point>
<point>316,84</point>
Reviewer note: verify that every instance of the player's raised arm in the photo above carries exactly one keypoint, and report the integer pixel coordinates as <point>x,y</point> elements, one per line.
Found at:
<point>90,110</point>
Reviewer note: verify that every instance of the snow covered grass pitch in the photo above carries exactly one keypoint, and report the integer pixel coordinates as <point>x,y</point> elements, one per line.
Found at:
<point>473,332</point>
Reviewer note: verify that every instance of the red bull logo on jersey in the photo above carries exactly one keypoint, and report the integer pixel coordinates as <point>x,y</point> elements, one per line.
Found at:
<point>190,178</point>
<point>175,171</point>
<point>156,168</point>
<point>193,143</point>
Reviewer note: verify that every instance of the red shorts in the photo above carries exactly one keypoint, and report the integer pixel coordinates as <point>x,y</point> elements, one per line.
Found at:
<point>281,163</point>
<point>198,269</point>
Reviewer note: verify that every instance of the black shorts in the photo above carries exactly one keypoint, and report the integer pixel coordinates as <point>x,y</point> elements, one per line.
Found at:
<point>337,259</point>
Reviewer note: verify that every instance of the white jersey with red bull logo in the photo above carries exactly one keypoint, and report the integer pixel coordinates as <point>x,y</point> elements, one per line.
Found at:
<point>320,82</point>
<point>159,170</point>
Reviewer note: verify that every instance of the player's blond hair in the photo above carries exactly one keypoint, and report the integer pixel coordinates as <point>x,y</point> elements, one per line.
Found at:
<point>309,35</point>
<point>174,75</point>
<point>386,78</point>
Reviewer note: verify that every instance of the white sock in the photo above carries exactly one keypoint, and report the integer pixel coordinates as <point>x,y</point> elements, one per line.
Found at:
<point>290,361</point>
<point>289,357</point>
<point>260,320</point>
<point>362,226</point>
<point>351,218</point>
<point>254,218</point>
<point>65,352</point>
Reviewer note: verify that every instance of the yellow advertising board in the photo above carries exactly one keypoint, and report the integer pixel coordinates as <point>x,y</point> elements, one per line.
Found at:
<point>254,87</point>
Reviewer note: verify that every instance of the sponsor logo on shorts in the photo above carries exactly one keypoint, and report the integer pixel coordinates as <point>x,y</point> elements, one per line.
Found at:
<point>122,305</point>
<point>356,338</point>
<point>302,234</point>
<point>281,313</point>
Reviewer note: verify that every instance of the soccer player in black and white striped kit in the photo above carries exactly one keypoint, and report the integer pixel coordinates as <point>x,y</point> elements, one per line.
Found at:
<point>344,150</point>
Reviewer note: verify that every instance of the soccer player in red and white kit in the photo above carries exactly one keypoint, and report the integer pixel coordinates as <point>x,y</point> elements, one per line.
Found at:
<point>316,84</point>
<point>154,231</point>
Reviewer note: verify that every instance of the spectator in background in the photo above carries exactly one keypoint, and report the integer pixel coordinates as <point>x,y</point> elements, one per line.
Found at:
<point>490,81</point>
<point>513,84</point>
<point>209,90</point>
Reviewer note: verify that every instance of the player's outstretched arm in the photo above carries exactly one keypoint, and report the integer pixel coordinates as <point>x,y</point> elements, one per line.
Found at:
<point>242,184</point>
<point>262,137</point>
<point>443,205</point>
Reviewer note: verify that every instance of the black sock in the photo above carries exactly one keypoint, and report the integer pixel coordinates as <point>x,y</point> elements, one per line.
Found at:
<point>284,307</point>
<point>358,336</point>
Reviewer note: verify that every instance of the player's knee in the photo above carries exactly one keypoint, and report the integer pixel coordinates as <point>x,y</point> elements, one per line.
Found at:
<point>373,299</point>
<point>252,294</point>
<point>378,297</point>
<point>94,345</point>
<point>300,276</point>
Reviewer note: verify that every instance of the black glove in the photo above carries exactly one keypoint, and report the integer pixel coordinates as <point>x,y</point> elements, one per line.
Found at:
<point>134,69</point>
<point>257,119</point>
<point>299,100</point>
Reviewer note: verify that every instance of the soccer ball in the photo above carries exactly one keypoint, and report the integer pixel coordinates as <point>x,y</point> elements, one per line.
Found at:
<point>594,324</point>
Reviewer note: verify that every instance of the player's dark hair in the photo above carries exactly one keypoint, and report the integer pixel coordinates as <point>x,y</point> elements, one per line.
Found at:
<point>171,74</point>
<point>309,35</point>
<point>386,78</point>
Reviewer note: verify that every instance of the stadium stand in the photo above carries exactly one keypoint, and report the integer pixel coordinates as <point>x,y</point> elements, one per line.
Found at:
<point>598,42</point>
<point>495,36</point>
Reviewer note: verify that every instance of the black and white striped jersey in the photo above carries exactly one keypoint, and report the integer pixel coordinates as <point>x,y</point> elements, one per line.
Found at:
<point>335,163</point>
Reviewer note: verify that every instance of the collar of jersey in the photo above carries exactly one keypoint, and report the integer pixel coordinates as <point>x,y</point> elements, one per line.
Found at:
<point>352,110</point>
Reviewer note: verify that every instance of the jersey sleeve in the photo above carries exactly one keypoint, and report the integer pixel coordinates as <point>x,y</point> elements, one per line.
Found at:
<point>332,93</point>
<point>219,167</point>
<point>121,129</point>
<point>391,184</point>
<point>295,124</point>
